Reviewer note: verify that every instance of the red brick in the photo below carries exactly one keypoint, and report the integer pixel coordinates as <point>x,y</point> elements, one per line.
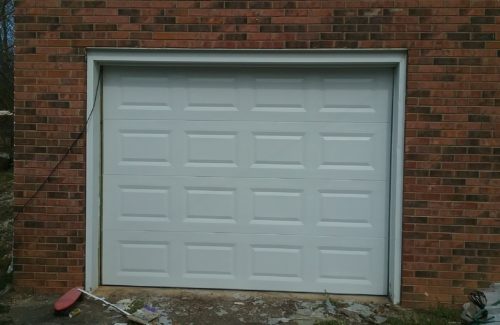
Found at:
<point>451,170</point>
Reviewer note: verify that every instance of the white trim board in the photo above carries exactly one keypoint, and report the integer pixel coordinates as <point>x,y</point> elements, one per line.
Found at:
<point>98,57</point>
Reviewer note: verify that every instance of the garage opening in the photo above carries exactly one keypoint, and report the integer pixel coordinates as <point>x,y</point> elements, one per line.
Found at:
<point>247,177</point>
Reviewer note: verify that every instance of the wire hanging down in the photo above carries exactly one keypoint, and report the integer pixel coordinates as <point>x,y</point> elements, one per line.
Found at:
<point>68,151</point>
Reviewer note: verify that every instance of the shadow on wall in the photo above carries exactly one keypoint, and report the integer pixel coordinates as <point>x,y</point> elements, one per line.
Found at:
<point>6,137</point>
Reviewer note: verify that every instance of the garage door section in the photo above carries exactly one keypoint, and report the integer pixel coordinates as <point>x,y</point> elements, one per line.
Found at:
<point>239,178</point>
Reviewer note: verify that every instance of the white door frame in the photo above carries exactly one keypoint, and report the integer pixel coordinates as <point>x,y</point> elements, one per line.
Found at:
<point>99,57</point>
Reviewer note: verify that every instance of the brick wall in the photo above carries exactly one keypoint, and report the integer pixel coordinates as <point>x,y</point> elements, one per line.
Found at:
<point>452,165</point>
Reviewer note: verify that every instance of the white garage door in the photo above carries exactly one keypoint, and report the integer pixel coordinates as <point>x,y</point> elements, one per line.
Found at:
<point>247,178</point>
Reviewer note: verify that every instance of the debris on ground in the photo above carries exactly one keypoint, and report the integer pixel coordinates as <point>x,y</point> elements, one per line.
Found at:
<point>329,307</point>
<point>146,314</point>
<point>66,303</point>
<point>241,296</point>
<point>280,320</point>
<point>363,310</point>
<point>123,304</point>
<point>483,306</point>
<point>173,307</point>
<point>379,319</point>
<point>221,312</point>
<point>163,320</point>
<point>75,312</point>
<point>134,310</point>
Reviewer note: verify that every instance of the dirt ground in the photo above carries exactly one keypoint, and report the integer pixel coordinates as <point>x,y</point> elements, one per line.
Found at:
<point>179,307</point>
<point>183,306</point>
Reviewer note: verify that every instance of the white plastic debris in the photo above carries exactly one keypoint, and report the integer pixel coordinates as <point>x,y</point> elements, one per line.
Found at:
<point>164,321</point>
<point>329,307</point>
<point>360,309</point>
<point>280,320</point>
<point>221,312</point>
<point>379,319</point>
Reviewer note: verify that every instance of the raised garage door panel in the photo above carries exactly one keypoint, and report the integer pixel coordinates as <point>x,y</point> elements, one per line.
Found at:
<point>347,95</point>
<point>234,205</point>
<point>245,261</point>
<point>263,179</point>
<point>247,149</point>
